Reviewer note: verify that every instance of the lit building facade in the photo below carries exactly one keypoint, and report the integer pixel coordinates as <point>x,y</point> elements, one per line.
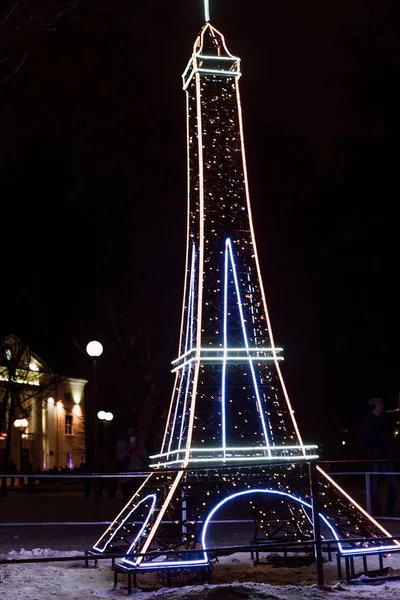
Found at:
<point>42,418</point>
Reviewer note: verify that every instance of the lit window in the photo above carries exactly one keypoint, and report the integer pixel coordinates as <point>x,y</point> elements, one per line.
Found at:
<point>68,424</point>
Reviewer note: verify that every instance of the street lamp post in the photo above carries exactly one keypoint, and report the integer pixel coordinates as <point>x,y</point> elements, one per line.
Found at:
<point>94,350</point>
<point>21,425</point>
<point>106,417</point>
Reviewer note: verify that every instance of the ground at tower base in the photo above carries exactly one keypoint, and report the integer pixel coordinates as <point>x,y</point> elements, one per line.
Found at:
<point>234,577</point>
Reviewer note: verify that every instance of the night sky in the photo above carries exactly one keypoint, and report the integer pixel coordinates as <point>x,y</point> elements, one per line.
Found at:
<point>93,184</point>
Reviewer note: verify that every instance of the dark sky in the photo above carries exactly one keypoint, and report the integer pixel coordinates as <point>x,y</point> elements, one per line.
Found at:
<point>93,183</point>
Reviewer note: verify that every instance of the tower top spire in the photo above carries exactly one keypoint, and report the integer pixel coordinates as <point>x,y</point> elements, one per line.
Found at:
<point>207,10</point>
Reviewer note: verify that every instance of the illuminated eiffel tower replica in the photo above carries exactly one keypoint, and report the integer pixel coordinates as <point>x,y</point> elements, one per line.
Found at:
<point>231,445</point>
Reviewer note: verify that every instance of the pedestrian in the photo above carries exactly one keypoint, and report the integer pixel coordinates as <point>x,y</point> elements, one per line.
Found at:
<point>394,417</point>
<point>377,448</point>
<point>131,455</point>
<point>12,467</point>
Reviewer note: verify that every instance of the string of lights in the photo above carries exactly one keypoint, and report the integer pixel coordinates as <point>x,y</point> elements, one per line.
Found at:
<point>231,431</point>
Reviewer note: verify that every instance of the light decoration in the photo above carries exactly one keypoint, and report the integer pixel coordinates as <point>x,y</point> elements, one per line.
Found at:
<point>158,564</point>
<point>23,376</point>
<point>258,455</point>
<point>190,366</point>
<point>262,449</point>
<point>106,539</point>
<point>264,301</point>
<point>160,515</point>
<point>196,62</point>
<point>360,508</point>
<point>230,413</point>
<point>206,10</point>
<point>188,342</point>
<point>221,355</point>
<point>150,497</point>
<point>217,355</point>
<point>246,343</point>
<point>225,353</point>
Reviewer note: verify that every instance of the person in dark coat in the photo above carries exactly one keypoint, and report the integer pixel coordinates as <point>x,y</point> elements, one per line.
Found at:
<point>377,447</point>
<point>131,455</point>
<point>394,416</point>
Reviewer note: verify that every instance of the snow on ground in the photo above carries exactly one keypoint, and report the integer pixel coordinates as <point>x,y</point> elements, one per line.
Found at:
<point>234,578</point>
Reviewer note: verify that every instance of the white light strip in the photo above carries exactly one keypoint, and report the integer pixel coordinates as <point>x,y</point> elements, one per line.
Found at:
<point>360,508</point>
<point>214,57</point>
<point>205,559</point>
<point>223,383</point>
<point>95,547</point>
<point>241,449</point>
<point>206,10</point>
<point>169,412</point>
<point>163,508</point>
<point>177,399</point>
<point>238,358</point>
<point>144,525</point>
<point>255,349</point>
<point>192,287</point>
<point>246,183</point>
<point>186,263</point>
<point>188,341</point>
<point>188,375</point>
<point>185,72</point>
<point>236,459</point>
<point>212,29</point>
<point>186,85</point>
<point>219,72</point>
<point>187,231</point>
<point>211,72</point>
<point>167,564</point>
<point>197,50</point>
<point>216,360</point>
<point>201,268</point>
<point>183,355</point>
<point>303,503</point>
<point>260,407</point>
<point>201,223</point>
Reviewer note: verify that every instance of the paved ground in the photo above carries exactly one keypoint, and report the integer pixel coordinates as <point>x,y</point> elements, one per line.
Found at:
<point>53,503</point>
<point>24,511</point>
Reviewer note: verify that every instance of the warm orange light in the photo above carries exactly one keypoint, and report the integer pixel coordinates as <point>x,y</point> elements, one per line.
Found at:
<point>76,410</point>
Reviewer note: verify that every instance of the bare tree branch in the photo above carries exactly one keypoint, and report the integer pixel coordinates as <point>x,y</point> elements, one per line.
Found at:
<point>25,20</point>
<point>8,15</point>
<point>15,70</point>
